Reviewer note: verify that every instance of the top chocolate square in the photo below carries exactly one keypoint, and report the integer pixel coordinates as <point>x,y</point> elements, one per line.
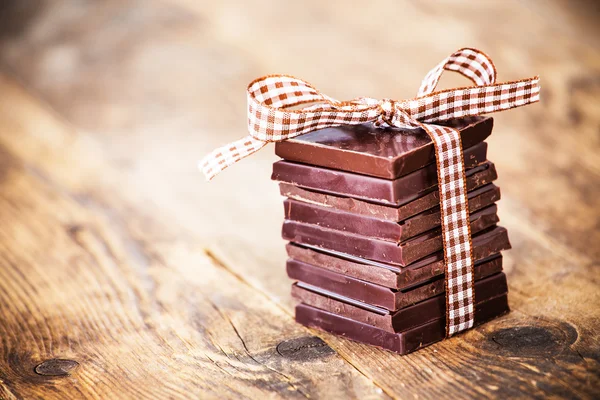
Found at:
<point>381,152</point>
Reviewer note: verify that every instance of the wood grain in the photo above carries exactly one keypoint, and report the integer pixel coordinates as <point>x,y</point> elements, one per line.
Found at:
<point>115,254</point>
<point>101,300</point>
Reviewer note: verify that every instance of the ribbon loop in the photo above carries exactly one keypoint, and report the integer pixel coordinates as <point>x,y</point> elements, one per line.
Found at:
<point>280,91</point>
<point>471,63</point>
<point>271,120</point>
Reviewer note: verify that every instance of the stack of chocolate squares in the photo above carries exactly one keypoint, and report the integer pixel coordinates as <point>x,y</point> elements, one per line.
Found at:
<point>363,220</point>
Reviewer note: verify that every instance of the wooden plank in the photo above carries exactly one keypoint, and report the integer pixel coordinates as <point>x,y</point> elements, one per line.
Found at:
<point>101,300</point>
<point>151,118</point>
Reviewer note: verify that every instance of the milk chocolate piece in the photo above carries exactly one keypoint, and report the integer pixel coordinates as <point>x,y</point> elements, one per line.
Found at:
<point>403,342</point>
<point>380,250</point>
<point>398,321</point>
<point>476,178</point>
<point>485,244</point>
<point>387,153</point>
<point>376,295</point>
<point>331,218</point>
<point>382,191</point>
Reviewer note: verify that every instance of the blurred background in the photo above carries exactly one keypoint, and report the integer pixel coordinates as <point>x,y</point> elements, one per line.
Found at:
<point>110,104</point>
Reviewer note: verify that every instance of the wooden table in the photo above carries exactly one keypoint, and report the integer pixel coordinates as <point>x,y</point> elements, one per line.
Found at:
<point>124,275</point>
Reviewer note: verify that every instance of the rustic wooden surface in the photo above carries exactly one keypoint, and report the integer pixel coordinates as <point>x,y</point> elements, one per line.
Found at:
<point>124,275</point>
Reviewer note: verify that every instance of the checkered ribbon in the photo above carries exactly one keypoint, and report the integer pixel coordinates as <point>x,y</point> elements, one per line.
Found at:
<point>271,119</point>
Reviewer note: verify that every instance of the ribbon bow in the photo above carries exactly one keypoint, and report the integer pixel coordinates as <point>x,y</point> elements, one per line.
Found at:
<point>270,119</point>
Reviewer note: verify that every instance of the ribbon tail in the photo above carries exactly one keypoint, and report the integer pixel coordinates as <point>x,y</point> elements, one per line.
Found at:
<point>456,228</point>
<point>227,155</point>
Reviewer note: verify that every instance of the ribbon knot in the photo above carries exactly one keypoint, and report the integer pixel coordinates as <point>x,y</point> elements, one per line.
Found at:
<point>388,111</point>
<point>272,119</point>
<point>393,115</point>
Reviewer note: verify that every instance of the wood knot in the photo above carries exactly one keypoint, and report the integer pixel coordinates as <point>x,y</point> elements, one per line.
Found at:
<point>56,367</point>
<point>545,338</point>
<point>304,348</point>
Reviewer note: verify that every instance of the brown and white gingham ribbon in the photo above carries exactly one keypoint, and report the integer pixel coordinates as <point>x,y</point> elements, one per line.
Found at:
<point>270,119</point>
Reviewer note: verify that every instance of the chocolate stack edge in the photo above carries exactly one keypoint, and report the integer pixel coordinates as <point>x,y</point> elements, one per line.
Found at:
<point>362,219</point>
<point>401,342</point>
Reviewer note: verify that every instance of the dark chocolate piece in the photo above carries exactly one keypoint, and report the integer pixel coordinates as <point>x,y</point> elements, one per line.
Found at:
<point>373,294</point>
<point>382,191</point>
<point>484,245</point>
<point>380,250</point>
<point>476,178</point>
<point>331,218</point>
<point>402,343</point>
<point>377,295</point>
<point>403,319</point>
<point>364,149</point>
